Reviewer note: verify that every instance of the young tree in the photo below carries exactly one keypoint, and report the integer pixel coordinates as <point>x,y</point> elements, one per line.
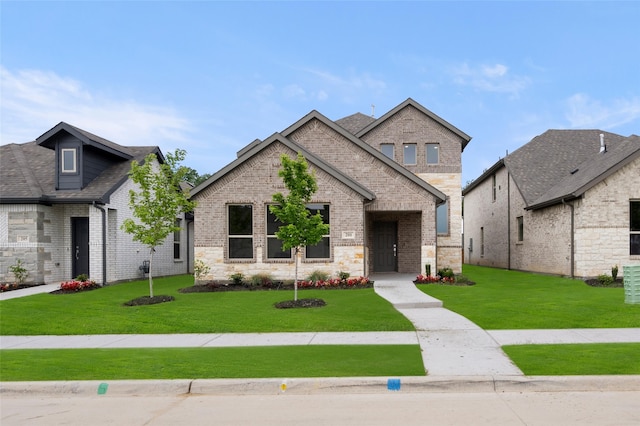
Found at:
<point>157,202</point>
<point>301,228</point>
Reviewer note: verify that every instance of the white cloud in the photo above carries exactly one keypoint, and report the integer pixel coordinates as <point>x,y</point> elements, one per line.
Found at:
<point>584,112</point>
<point>490,78</point>
<point>33,101</point>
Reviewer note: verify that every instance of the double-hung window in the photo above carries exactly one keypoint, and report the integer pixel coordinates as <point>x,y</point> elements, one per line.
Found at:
<point>322,250</point>
<point>274,245</point>
<point>634,227</point>
<point>240,229</point>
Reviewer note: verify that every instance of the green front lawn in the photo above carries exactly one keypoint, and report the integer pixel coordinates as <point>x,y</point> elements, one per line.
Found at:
<point>576,359</point>
<point>504,299</point>
<point>211,363</point>
<point>102,312</point>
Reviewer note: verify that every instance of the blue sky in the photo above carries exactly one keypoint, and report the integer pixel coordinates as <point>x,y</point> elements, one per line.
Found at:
<point>210,77</point>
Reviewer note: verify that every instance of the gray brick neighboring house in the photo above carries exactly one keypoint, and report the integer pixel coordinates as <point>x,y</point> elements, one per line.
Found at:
<point>566,203</point>
<point>390,188</point>
<point>63,198</point>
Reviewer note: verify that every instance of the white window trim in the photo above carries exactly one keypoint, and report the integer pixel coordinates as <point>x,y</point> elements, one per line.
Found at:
<point>74,151</point>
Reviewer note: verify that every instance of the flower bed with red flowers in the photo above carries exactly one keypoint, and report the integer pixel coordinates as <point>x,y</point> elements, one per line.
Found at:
<point>436,279</point>
<point>333,283</point>
<point>75,286</point>
<point>15,286</point>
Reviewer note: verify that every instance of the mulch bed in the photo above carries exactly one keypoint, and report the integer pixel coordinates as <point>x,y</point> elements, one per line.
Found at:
<point>594,282</point>
<point>4,287</point>
<point>220,287</point>
<point>301,303</point>
<point>147,300</point>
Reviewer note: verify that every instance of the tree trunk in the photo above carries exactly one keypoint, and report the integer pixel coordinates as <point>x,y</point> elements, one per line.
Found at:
<point>150,277</point>
<point>295,282</point>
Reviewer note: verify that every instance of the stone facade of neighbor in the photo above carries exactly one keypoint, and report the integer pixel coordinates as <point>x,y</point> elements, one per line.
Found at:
<point>382,212</point>
<point>577,226</point>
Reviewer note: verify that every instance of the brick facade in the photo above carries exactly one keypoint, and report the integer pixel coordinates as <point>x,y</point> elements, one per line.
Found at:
<point>399,198</point>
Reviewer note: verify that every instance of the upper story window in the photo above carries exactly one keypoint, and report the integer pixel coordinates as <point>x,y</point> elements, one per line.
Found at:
<point>322,250</point>
<point>240,229</point>
<point>387,149</point>
<point>69,160</point>
<point>433,153</point>
<point>409,153</point>
<point>634,227</point>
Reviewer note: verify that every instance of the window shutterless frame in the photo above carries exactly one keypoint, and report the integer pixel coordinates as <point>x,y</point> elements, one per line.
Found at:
<point>240,231</point>
<point>69,160</point>
<point>322,250</point>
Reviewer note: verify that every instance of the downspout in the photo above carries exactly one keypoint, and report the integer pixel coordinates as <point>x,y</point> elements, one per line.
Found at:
<point>104,243</point>
<point>572,267</point>
<point>508,220</point>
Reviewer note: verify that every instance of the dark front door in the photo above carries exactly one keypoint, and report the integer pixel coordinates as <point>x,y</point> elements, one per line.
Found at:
<point>385,246</point>
<point>79,246</point>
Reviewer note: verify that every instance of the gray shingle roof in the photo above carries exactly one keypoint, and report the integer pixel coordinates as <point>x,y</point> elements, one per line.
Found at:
<point>590,172</point>
<point>355,122</point>
<point>563,164</point>
<point>27,172</point>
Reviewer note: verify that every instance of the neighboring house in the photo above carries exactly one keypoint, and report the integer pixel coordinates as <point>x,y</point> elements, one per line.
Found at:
<point>566,203</point>
<point>63,199</point>
<point>390,189</point>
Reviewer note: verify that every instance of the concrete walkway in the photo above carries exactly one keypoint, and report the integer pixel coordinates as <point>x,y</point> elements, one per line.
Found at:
<point>451,344</point>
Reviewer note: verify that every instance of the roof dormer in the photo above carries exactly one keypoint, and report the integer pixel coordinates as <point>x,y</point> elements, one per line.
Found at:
<point>79,155</point>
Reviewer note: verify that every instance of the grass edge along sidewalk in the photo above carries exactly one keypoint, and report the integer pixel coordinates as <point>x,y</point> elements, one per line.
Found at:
<point>102,312</point>
<point>210,363</point>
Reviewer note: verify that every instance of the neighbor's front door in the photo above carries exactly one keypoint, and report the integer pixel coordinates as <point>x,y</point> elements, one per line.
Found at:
<point>385,246</point>
<point>79,246</point>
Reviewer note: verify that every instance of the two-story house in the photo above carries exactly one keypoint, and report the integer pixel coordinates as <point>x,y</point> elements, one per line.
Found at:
<point>390,189</point>
<point>63,198</point>
<point>566,203</point>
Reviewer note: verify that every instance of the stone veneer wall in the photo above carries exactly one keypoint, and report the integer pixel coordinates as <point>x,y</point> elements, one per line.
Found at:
<point>449,246</point>
<point>602,224</point>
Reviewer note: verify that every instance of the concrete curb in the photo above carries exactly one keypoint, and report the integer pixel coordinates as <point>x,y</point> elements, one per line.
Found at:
<point>311,386</point>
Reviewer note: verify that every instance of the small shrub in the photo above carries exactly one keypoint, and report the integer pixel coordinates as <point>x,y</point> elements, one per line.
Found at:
<point>446,273</point>
<point>614,272</point>
<point>200,269</point>
<point>318,276</point>
<point>82,277</point>
<point>19,271</point>
<point>263,279</point>
<point>237,278</point>
<point>605,279</point>
<point>343,275</point>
